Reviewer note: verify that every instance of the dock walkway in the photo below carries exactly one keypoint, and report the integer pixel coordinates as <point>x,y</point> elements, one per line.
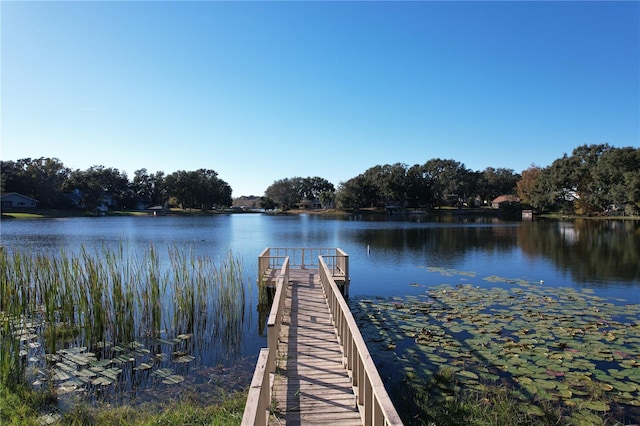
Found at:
<point>317,368</point>
<point>311,384</point>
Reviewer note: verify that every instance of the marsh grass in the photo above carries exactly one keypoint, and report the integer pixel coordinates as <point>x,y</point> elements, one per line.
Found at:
<point>103,308</point>
<point>227,412</point>
<point>24,407</point>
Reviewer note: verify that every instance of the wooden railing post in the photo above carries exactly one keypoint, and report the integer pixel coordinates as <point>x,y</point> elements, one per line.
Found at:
<point>263,264</point>
<point>256,412</point>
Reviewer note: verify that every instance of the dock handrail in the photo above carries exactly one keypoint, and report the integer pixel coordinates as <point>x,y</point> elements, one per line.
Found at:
<point>272,258</point>
<point>274,322</point>
<point>259,398</point>
<point>300,257</point>
<point>256,410</point>
<point>373,400</point>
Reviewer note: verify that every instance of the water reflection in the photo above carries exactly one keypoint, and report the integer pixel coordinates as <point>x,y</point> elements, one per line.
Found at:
<point>388,255</point>
<point>591,252</point>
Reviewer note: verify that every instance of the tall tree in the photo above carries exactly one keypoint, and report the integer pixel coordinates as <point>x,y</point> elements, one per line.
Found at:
<point>149,188</point>
<point>99,184</point>
<point>285,193</point>
<point>357,192</point>
<point>40,178</point>
<point>492,183</point>
<point>201,189</point>
<point>616,176</point>
<point>449,179</point>
<point>419,193</point>
<point>312,187</point>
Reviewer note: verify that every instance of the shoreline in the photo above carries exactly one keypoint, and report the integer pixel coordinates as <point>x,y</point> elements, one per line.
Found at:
<point>38,213</point>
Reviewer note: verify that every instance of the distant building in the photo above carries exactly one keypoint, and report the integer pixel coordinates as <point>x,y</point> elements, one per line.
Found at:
<point>505,201</point>
<point>13,200</point>
<point>310,204</point>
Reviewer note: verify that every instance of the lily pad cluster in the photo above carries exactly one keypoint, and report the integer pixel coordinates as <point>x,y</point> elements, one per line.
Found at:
<point>77,369</point>
<point>569,347</point>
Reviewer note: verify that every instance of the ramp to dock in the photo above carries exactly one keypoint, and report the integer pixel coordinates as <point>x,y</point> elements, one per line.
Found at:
<point>311,384</point>
<point>317,368</point>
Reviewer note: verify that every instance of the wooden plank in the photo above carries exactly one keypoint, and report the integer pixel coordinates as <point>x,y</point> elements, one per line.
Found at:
<point>311,385</point>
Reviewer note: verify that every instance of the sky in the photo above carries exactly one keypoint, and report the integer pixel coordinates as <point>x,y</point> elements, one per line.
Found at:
<point>262,91</point>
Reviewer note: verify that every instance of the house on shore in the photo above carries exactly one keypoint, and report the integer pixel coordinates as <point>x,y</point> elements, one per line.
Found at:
<point>13,200</point>
<point>505,202</point>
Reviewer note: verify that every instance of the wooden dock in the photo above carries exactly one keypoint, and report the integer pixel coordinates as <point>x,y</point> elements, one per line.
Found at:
<point>311,384</point>
<point>317,368</point>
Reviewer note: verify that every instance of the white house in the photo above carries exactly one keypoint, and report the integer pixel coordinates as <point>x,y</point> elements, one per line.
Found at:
<point>13,200</point>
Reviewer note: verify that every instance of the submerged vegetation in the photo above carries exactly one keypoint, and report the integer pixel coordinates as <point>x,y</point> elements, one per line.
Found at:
<point>514,353</point>
<point>105,326</point>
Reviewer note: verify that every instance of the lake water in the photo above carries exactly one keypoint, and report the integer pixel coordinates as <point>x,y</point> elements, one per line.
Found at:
<point>386,254</point>
<point>389,256</point>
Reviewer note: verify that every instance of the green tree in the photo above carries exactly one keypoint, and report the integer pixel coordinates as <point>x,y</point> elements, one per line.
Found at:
<point>327,198</point>
<point>148,188</point>
<point>201,189</point>
<point>418,189</point>
<point>449,180</point>
<point>99,185</point>
<point>390,182</point>
<point>492,183</point>
<point>617,179</point>
<point>285,193</point>
<point>357,192</point>
<point>312,187</point>
<point>267,203</point>
<point>41,178</point>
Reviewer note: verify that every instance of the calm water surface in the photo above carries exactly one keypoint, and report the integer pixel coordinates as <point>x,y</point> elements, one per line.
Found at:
<point>388,256</point>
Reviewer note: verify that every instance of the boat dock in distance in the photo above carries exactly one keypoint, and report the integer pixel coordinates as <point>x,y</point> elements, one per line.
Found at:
<point>317,368</point>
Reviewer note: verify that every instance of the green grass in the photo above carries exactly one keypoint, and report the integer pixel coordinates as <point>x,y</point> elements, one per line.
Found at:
<point>38,213</point>
<point>25,408</point>
<point>22,406</point>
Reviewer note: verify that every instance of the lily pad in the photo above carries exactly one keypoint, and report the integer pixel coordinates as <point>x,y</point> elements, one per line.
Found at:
<point>173,379</point>
<point>468,375</point>
<point>184,359</point>
<point>102,381</point>
<point>143,366</point>
<point>597,406</point>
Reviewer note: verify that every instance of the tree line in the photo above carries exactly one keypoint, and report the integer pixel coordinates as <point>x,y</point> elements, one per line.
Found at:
<point>58,187</point>
<point>594,179</point>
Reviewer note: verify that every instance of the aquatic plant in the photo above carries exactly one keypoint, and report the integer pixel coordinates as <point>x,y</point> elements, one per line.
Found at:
<point>95,319</point>
<point>574,354</point>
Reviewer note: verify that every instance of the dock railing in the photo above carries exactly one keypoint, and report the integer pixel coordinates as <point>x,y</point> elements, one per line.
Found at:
<point>372,398</point>
<point>374,403</point>
<point>259,398</point>
<point>336,260</point>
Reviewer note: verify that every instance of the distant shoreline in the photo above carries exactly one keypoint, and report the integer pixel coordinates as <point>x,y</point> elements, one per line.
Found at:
<point>469,212</point>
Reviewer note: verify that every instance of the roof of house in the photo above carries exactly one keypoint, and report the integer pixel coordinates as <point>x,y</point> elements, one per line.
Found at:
<point>8,194</point>
<point>506,199</point>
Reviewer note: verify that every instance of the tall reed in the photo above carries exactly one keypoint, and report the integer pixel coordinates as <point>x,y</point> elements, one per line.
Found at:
<point>112,297</point>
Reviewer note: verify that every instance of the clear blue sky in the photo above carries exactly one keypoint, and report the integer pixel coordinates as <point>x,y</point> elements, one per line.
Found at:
<point>260,91</point>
